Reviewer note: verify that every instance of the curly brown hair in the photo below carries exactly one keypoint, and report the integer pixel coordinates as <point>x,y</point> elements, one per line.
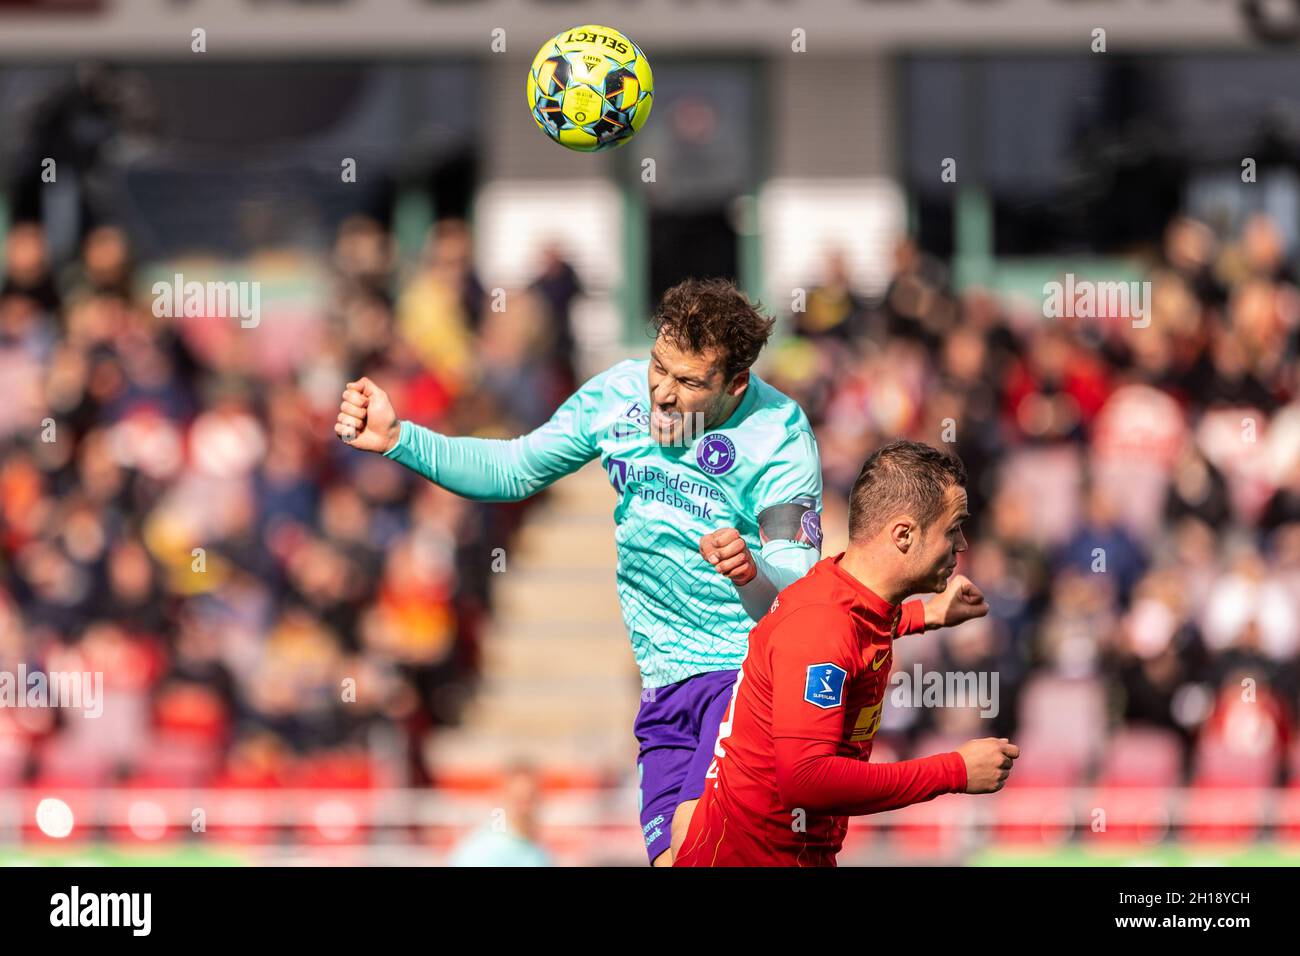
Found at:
<point>705,314</point>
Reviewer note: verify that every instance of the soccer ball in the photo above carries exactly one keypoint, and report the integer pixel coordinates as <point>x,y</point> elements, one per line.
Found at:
<point>590,88</point>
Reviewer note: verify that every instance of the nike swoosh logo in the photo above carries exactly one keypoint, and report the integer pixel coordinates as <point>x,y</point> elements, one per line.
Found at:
<point>879,661</point>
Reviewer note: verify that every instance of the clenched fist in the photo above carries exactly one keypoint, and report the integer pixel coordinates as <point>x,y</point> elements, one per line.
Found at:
<point>726,550</point>
<point>960,601</point>
<point>366,417</point>
<point>988,763</point>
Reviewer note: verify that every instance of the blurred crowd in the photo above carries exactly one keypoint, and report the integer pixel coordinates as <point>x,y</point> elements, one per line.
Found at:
<point>1134,490</point>
<point>268,606</point>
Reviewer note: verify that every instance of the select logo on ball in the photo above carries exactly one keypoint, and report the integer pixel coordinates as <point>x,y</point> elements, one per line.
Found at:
<point>716,454</point>
<point>590,88</point>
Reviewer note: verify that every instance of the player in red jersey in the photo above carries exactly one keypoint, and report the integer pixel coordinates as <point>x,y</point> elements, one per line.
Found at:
<point>791,762</point>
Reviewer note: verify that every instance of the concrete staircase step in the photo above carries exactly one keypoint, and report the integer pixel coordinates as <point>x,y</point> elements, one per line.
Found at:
<point>611,753</point>
<point>559,686</point>
<point>521,655</point>
<point>552,623</point>
<point>530,713</point>
<point>567,544</point>
<point>541,595</point>
<point>563,686</point>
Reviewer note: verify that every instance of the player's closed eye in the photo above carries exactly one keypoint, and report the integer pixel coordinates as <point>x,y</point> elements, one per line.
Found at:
<point>688,383</point>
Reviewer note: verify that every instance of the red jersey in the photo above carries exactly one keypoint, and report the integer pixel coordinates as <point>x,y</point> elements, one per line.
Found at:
<point>791,761</point>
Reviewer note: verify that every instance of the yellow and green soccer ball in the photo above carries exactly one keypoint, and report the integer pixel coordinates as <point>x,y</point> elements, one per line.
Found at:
<point>590,88</point>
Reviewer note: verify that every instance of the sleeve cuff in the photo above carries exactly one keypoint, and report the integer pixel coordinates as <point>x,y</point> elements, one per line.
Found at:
<point>402,432</point>
<point>416,449</point>
<point>912,620</point>
<point>956,767</point>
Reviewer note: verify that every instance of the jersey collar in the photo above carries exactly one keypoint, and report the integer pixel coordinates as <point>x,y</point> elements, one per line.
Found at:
<point>743,407</point>
<point>877,605</point>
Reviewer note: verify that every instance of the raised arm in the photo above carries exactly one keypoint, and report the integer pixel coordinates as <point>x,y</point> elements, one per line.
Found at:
<point>478,468</point>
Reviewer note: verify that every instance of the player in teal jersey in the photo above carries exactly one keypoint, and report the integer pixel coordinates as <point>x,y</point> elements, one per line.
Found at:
<point>717,487</point>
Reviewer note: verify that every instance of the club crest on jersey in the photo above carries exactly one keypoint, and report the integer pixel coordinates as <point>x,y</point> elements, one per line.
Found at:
<point>617,469</point>
<point>825,686</point>
<point>716,454</point>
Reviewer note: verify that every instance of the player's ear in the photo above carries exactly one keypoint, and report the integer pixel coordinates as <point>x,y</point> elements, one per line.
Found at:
<point>903,532</point>
<point>738,383</point>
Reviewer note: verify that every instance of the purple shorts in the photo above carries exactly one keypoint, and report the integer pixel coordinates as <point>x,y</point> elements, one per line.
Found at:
<point>677,727</point>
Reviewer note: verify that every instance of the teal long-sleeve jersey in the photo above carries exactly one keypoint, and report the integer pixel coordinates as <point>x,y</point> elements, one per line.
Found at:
<point>683,617</point>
